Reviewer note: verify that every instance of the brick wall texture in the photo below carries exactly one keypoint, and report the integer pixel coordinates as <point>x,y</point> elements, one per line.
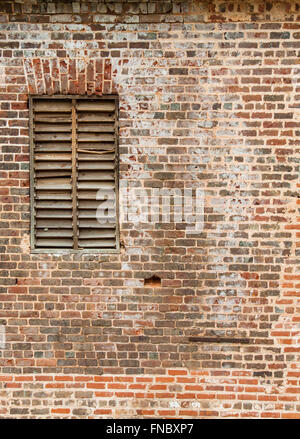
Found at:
<point>209,95</point>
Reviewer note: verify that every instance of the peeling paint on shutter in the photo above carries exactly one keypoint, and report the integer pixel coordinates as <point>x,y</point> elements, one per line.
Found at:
<point>74,173</point>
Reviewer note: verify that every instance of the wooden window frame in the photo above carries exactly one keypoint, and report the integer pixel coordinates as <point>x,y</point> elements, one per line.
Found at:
<point>32,176</point>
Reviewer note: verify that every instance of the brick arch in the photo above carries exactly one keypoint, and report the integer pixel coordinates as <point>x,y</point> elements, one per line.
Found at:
<point>78,76</point>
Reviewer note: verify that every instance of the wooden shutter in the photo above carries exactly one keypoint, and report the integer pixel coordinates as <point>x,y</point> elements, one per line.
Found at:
<point>74,171</point>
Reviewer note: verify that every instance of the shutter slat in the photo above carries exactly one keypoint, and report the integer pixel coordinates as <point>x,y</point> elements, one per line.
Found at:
<point>94,175</point>
<point>94,204</point>
<point>54,233</point>
<point>52,157</point>
<point>52,118</point>
<point>95,106</point>
<point>48,128</point>
<point>50,186</point>
<point>96,117</point>
<point>105,146</point>
<point>57,213</point>
<point>51,174</point>
<point>92,213</point>
<point>95,128</point>
<point>53,147</point>
<point>97,233</point>
<point>54,224</point>
<point>94,224</point>
<point>53,195</point>
<point>52,106</point>
<point>93,157</point>
<point>95,185</point>
<point>53,204</point>
<point>54,137</point>
<point>97,243</point>
<point>92,165</point>
<point>95,137</point>
<point>55,166</point>
<point>55,243</point>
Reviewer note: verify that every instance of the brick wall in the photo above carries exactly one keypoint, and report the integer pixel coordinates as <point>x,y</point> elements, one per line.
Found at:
<point>209,96</point>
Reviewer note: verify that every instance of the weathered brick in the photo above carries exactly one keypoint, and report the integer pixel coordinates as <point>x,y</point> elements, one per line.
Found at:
<point>208,99</point>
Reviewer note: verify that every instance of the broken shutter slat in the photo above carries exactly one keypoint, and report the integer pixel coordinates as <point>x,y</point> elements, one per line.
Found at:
<point>97,146</point>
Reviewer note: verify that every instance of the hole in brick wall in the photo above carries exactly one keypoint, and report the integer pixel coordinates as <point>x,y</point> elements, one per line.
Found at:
<point>153,281</point>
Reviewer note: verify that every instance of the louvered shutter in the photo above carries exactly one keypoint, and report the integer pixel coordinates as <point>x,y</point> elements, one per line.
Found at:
<point>74,175</point>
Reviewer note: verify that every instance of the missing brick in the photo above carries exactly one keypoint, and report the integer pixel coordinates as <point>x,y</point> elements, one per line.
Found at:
<point>153,281</point>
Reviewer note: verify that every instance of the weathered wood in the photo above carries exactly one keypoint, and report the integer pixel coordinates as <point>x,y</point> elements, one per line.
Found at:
<point>104,156</point>
<point>87,151</point>
<point>87,195</point>
<point>97,105</point>
<point>94,204</point>
<point>53,195</point>
<point>95,128</point>
<point>96,117</point>
<point>51,106</point>
<point>48,128</point>
<point>97,233</point>
<point>53,183</point>
<point>74,158</point>
<point>94,175</point>
<point>93,185</point>
<point>57,213</point>
<point>95,137</point>
<point>53,136</point>
<point>53,147</point>
<point>93,223</point>
<point>54,233</point>
<point>58,242</point>
<point>87,213</point>
<point>90,165</point>
<point>91,213</point>
<point>54,224</point>
<point>32,188</point>
<point>52,157</point>
<point>43,166</point>
<point>74,176</point>
<point>51,174</point>
<point>97,243</point>
<point>53,118</point>
<point>52,204</point>
<point>97,146</point>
